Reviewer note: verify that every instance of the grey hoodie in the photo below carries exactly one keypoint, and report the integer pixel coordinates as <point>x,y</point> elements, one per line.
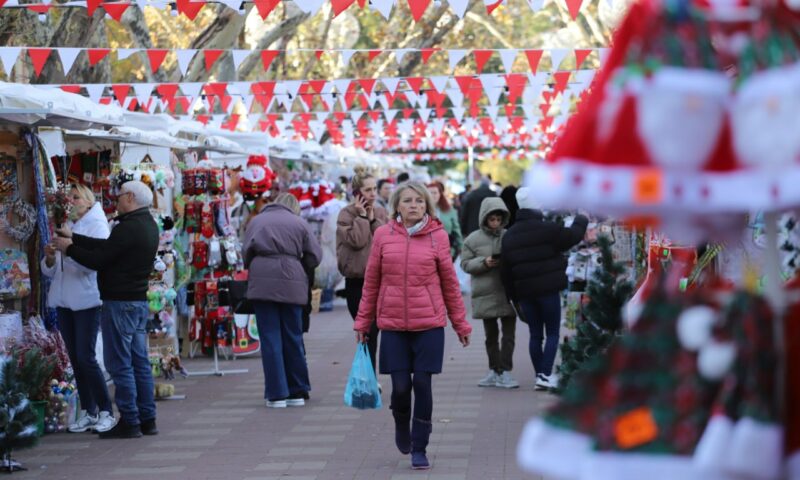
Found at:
<point>488,296</point>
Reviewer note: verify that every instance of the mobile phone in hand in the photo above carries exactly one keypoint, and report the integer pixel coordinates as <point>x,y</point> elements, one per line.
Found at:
<point>357,193</point>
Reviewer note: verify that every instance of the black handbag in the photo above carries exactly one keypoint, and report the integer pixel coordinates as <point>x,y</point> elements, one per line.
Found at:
<point>236,293</point>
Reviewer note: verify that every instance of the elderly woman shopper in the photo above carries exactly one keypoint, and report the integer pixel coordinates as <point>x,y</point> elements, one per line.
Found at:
<point>76,298</point>
<point>355,228</point>
<point>278,248</point>
<point>448,216</point>
<point>410,289</point>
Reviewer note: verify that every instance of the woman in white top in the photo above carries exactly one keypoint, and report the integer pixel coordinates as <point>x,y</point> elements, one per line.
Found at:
<point>76,298</point>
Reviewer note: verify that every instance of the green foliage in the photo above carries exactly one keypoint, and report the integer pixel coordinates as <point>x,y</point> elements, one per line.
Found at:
<point>35,372</point>
<point>608,291</point>
<point>17,417</point>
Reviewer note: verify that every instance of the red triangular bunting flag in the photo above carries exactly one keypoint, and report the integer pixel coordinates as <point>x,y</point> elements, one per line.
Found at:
<point>190,8</point>
<point>426,53</point>
<point>493,6</point>
<point>265,7</point>
<point>415,83</point>
<point>373,54</point>
<point>418,8</point>
<point>71,88</point>
<point>481,57</point>
<point>362,3</point>
<point>96,54</point>
<point>580,56</point>
<point>91,6</point>
<point>516,83</point>
<point>167,90</point>
<point>41,8</point>
<point>267,56</point>
<point>317,85</point>
<point>39,58</point>
<point>115,10</point>
<point>156,58</point>
<point>121,92</point>
<point>340,6</point>
<point>464,82</point>
<point>367,84</point>
<point>318,54</point>
<point>211,56</point>
<point>561,80</point>
<point>510,108</point>
<point>574,7</point>
<point>534,56</point>
<point>218,89</point>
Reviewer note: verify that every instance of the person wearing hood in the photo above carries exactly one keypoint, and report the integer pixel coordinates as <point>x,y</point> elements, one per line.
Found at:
<point>533,268</point>
<point>481,259</point>
<point>76,298</point>
<point>410,289</point>
<point>470,207</point>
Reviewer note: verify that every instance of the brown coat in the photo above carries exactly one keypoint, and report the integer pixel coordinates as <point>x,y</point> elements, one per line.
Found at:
<point>354,239</point>
<point>277,246</point>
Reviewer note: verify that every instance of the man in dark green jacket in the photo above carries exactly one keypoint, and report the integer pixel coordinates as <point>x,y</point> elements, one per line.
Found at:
<point>124,263</point>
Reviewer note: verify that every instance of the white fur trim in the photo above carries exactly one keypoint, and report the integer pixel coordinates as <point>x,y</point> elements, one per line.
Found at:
<point>713,446</point>
<point>552,451</point>
<point>694,326</point>
<point>642,466</point>
<point>715,359</point>
<point>756,450</point>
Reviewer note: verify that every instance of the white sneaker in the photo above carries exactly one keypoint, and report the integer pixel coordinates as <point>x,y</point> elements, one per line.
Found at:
<point>545,382</point>
<point>505,380</point>
<point>295,402</point>
<point>277,403</point>
<point>105,422</point>
<point>83,423</point>
<point>490,380</point>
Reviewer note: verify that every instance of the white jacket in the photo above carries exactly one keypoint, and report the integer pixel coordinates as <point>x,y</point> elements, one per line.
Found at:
<point>75,287</point>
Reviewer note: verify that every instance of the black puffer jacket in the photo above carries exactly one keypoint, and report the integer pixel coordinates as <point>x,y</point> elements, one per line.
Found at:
<point>533,262</point>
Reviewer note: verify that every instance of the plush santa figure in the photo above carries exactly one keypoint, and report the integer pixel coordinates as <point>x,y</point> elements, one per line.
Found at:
<point>256,178</point>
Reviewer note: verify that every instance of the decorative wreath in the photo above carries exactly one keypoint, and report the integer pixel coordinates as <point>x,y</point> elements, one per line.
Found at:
<point>26,215</point>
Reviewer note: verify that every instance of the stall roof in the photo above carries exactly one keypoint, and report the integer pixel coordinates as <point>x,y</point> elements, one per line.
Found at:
<point>135,136</point>
<point>39,106</point>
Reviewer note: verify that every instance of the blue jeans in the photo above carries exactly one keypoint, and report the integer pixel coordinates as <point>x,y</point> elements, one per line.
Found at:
<point>125,353</point>
<point>79,330</point>
<point>543,316</point>
<point>280,328</point>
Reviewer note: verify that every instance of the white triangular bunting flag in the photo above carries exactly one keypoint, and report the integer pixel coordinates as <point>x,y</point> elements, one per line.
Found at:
<point>184,59</point>
<point>309,6</point>
<point>346,55</point>
<point>292,87</point>
<point>492,86</point>
<point>355,115</point>
<point>329,99</point>
<point>239,56</point>
<point>238,88</point>
<point>492,111</point>
<point>95,91</point>
<point>438,125</point>
<point>383,101</point>
<point>557,55</point>
<point>422,100</point>
<point>536,5</point>
<point>455,56</point>
<point>9,55</point>
<point>143,92</point>
<point>217,119</point>
<point>424,114</point>
<point>68,56</point>
<point>458,113</point>
<point>322,116</point>
<point>123,53</point>
<point>413,98</point>
<point>253,119</point>
<point>190,89</point>
<point>342,101</point>
<point>456,96</point>
<point>529,109</point>
<point>341,85</point>
<point>507,56</point>
<point>141,4</point>
<point>459,7</point>
<point>247,100</point>
<point>399,54</point>
<point>391,84</point>
<point>439,82</point>
<point>373,97</point>
<point>390,114</point>
<point>604,55</point>
<point>317,128</point>
<point>383,6</point>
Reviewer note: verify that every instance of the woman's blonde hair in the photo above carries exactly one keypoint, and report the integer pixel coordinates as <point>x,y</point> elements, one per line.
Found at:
<point>420,189</point>
<point>290,201</point>
<point>85,193</point>
<point>359,177</point>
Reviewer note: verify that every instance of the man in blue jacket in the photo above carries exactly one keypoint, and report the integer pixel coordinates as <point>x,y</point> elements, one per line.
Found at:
<point>124,263</point>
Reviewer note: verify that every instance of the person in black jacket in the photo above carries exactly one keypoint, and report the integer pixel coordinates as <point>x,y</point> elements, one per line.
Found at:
<point>124,263</point>
<point>533,269</point>
<point>471,207</point>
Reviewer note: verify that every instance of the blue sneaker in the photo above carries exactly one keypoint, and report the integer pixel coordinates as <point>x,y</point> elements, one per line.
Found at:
<point>419,461</point>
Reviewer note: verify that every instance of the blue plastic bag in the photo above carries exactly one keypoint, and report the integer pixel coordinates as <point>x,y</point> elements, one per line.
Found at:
<point>362,391</point>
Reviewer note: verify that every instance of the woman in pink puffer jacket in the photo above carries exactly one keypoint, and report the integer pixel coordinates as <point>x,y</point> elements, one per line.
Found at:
<point>410,288</point>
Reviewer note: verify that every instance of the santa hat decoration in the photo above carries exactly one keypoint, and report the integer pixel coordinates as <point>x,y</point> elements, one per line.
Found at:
<point>257,178</point>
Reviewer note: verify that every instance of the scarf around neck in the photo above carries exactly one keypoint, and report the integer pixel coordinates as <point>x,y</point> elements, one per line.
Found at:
<point>416,227</point>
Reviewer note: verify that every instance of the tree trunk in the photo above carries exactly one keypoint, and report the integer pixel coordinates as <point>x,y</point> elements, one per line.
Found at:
<point>223,34</point>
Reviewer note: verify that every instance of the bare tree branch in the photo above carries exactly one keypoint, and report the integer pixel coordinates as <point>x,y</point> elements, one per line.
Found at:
<point>325,33</point>
<point>285,29</point>
<point>489,28</point>
<point>134,22</point>
<point>222,33</point>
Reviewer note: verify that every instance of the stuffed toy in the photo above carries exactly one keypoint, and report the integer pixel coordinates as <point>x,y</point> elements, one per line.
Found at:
<point>257,178</point>
<point>164,390</point>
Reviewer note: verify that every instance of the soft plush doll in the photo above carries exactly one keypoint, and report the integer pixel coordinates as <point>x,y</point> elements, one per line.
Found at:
<point>256,178</point>
<point>164,390</point>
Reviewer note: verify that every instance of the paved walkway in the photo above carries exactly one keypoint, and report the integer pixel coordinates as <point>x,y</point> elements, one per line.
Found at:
<point>223,430</point>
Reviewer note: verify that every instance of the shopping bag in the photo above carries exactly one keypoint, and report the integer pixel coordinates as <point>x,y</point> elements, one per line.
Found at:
<point>362,391</point>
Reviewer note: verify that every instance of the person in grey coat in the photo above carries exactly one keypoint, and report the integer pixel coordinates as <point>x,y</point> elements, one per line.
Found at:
<point>278,248</point>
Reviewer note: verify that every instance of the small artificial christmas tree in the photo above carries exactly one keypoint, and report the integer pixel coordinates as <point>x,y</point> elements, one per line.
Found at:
<point>17,418</point>
<point>608,291</point>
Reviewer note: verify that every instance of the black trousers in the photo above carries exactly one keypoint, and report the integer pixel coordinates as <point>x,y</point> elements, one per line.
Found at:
<point>500,353</point>
<point>352,290</point>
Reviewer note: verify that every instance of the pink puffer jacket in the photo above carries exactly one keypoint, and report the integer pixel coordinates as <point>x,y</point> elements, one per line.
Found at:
<point>410,282</point>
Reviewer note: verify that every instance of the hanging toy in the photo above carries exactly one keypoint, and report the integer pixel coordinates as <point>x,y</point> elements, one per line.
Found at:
<point>207,221</point>
<point>257,178</point>
<point>214,253</point>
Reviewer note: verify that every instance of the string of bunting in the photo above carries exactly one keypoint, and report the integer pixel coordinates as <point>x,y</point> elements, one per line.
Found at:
<point>39,56</point>
<point>191,8</point>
